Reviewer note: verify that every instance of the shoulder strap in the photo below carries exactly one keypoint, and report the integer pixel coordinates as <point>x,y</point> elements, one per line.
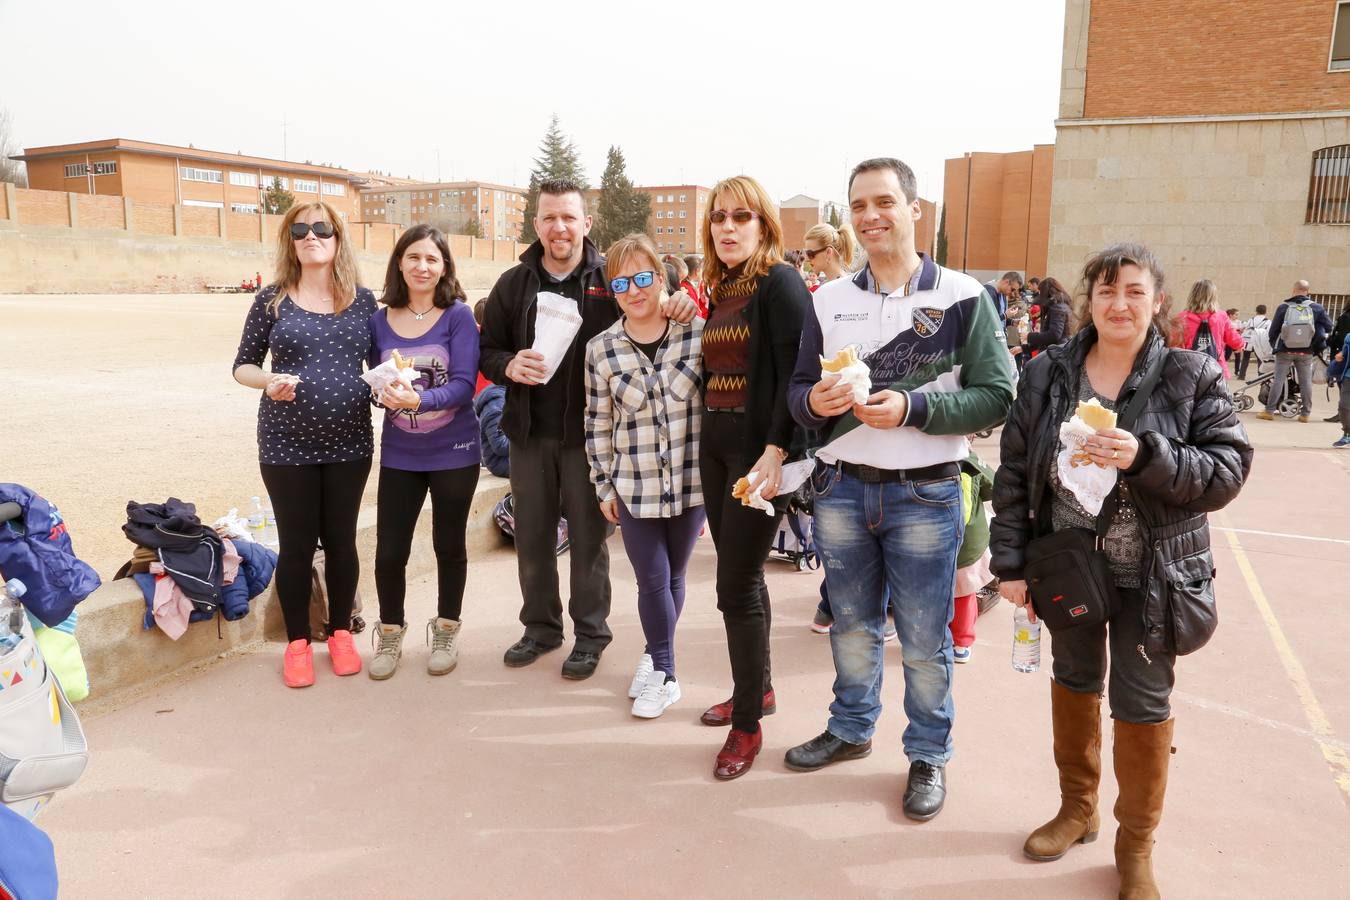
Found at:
<point>1126,421</point>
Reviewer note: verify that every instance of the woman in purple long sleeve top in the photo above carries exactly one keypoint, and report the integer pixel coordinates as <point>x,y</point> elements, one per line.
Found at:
<point>429,442</point>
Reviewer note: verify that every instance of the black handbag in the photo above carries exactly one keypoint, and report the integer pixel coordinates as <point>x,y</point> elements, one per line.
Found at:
<point>1067,573</point>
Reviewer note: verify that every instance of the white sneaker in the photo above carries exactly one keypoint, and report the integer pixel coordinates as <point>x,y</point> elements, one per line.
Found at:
<point>657,695</point>
<point>644,668</point>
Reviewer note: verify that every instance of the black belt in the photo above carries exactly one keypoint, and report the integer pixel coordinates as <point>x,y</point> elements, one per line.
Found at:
<point>871,475</point>
<point>726,409</point>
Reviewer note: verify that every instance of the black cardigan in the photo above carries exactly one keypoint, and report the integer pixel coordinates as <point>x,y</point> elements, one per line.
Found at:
<point>775,313</point>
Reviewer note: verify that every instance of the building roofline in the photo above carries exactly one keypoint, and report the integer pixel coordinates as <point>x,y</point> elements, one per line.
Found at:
<point>1219,117</point>
<point>440,185</point>
<point>171,150</point>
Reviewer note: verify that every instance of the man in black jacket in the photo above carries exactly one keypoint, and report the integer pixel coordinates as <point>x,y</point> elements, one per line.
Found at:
<point>544,422</point>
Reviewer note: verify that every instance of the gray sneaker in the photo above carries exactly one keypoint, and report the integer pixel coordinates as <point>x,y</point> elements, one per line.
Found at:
<point>388,641</point>
<point>443,635</point>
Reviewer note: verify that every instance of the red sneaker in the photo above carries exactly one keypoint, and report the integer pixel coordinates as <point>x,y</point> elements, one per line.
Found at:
<point>738,754</point>
<point>342,653</point>
<point>297,667</point>
<point>720,714</point>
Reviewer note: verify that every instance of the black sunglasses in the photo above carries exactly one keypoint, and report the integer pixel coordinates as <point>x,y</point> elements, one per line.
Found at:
<point>320,229</point>
<point>740,216</point>
<point>641,279</point>
<point>811,254</point>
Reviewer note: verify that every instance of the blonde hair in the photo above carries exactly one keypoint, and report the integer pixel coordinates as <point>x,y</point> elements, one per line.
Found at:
<point>745,193</point>
<point>840,239</point>
<point>346,275</point>
<point>1204,297</point>
<point>625,248</point>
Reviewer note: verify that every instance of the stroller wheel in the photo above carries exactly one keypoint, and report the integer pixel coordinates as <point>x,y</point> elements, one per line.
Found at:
<point>1289,408</point>
<point>1244,402</point>
<point>801,562</point>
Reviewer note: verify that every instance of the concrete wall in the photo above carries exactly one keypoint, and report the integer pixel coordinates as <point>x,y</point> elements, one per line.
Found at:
<point>57,242</point>
<point>1219,200</point>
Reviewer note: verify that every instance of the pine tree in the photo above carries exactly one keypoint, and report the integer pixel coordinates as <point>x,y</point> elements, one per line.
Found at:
<point>557,159</point>
<point>834,220</point>
<point>622,210</point>
<point>277,199</point>
<point>940,250</point>
<point>471,227</point>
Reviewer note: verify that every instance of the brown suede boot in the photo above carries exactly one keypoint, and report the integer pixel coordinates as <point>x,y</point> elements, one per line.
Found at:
<point>1142,754</point>
<point>1077,722</point>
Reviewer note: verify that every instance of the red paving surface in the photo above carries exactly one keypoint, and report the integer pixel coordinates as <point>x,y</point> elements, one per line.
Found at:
<point>512,782</point>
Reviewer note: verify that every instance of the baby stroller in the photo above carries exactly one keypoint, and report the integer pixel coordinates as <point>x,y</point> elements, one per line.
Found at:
<point>795,540</point>
<point>1259,387</point>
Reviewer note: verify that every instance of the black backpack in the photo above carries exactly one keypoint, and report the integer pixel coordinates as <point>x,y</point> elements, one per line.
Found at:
<point>1204,340</point>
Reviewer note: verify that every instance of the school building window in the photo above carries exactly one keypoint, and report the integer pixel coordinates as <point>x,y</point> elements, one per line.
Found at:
<point>105,168</point>
<point>1329,187</point>
<point>1340,37</point>
<point>302,184</point>
<point>334,190</point>
<point>682,196</point>
<point>193,174</point>
<point>79,170</point>
<point>250,208</point>
<point>243,179</point>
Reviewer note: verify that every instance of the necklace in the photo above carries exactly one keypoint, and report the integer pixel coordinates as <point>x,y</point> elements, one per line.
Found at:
<point>419,315</point>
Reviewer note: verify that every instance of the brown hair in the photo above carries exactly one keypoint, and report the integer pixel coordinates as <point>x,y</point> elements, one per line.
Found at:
<point>746,193</point>
<point>619,252</point>
<point>840,239</point>
<point>1103,267</point>
<point>346,275</point>
<point>396,289</point>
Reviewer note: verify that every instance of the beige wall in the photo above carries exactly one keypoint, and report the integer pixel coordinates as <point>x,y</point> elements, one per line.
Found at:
<point>1218,200</point>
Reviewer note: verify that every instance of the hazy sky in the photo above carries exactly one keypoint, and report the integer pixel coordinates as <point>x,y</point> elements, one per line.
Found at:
<point>792,93</point>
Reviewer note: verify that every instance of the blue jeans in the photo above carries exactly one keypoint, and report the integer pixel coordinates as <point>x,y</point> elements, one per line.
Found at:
<point>902,536</point>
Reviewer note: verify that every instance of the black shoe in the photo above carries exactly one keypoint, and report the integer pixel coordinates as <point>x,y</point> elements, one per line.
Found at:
<point>926,791</point>
<point>1335,417</point>
<point>525,651</point>
<point>822,750</point>
<point>580,665</point>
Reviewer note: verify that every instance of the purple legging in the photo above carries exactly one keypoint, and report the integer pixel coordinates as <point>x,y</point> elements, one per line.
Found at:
<point>659,550</point>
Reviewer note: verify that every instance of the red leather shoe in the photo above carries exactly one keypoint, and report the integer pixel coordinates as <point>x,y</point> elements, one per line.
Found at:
<point>720,714</point>
<point>342,653</point>
<point>738,753</point>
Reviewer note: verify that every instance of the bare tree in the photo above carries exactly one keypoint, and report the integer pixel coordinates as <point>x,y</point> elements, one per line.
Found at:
<point>10,170</point>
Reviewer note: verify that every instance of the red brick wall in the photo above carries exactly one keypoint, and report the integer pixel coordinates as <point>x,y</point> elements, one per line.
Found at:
<point>42,207</point>
<point>152,218</point>
<point>241,227</point>
<point>925,230</point>
<point>199,221</point>
<point>100,212</point>
<point>1211,57</point>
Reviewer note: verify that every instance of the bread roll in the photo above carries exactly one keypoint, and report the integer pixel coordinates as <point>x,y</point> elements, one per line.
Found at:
<point>1096,416</point>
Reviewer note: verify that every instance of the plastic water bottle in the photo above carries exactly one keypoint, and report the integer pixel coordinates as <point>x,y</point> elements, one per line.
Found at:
<point>11,614</point>
<point>257,519</point>
<point>270,537</point>
<point>1026,648</point>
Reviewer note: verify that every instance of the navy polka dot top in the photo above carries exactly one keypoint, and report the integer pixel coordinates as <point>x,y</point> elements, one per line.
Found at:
<point>329,420</point>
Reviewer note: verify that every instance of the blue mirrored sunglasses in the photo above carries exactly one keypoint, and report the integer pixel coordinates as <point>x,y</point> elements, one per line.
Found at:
<point>641,279</point>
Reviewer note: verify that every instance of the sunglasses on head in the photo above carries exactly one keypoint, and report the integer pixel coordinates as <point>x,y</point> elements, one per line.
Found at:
<point>641,280</point>
<point>320,229</point>
<point>740,216</point>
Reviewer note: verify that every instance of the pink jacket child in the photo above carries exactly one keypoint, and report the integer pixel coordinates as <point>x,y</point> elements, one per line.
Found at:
<point>1221,327</point>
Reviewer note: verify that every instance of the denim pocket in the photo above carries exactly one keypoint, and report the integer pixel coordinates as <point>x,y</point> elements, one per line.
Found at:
<point>942,492</point>
<point>823,480</point>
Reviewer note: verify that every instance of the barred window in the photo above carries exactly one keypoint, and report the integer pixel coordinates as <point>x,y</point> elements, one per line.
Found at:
<point>79,170</point>
<point>1329,186</point>
<point>105,168</point>
<point>1334,304</point>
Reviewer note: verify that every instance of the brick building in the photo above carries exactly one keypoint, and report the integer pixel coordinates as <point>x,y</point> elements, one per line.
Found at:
<point>676,222</point>
<point>998,211</point>
<point>800,212</point>
<point>186,176</point>
<point>499,208</point>
<point>1217,132</point>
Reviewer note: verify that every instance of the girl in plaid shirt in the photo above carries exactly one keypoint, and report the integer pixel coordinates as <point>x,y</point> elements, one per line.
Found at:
<point>643,409</point>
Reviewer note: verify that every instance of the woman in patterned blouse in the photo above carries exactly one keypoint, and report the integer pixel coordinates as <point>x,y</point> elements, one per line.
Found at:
<point>314,434</point>
<point>643,410</point>
<point>749,353</point>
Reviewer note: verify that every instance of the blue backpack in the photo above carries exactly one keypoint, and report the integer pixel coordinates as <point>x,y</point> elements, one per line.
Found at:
<point>35,548</point>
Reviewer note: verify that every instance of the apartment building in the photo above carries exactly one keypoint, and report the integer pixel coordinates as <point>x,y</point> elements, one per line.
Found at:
<point>998,211</point>
<point>499,208</point>
<point>1215,131</point>
<point>187,176</point>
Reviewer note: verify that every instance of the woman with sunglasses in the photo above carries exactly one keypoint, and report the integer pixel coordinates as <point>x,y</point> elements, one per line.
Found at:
<point>314,433</point>
<point>429,442</point>
<point>830,251</point>
<point>643,410</point>
<point>749,352</point>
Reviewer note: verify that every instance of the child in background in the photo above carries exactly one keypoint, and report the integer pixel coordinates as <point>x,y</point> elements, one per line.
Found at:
<point>972,560</point>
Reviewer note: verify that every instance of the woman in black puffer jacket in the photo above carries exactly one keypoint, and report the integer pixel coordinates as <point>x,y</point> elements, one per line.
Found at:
<point>1187,456</point>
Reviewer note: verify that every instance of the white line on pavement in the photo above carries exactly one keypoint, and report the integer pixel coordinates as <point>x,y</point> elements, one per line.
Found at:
<point>1280,534</point>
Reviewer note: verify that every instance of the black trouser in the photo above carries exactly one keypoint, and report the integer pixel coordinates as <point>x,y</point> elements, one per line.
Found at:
<point>1244,358</point>
<point>401,495</point>
<point>549,480</point>
<point>742,536</point>
<point>1139,688</point>
<point>312,504</point>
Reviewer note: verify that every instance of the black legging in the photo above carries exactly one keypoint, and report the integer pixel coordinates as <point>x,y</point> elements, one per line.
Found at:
<point>742,536</point>
<point>401,495</point>
<point>312,504</point>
